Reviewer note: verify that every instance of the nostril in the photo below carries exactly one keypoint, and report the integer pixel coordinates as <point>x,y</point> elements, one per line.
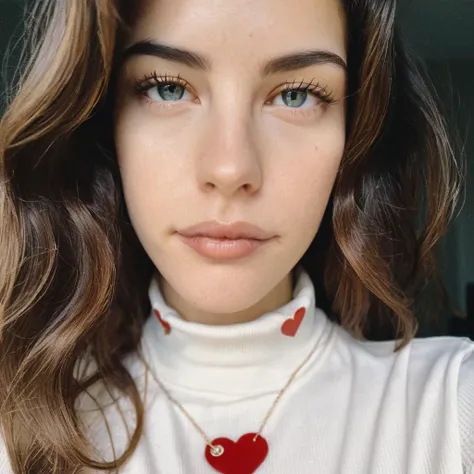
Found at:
<point>209,186</point>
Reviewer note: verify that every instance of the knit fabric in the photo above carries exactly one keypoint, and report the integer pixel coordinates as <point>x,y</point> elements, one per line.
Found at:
<point>355,407</point>
<point>466,413</point>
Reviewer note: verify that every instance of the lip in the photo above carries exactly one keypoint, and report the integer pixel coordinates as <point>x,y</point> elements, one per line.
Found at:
<point>225,242</point>
<point>234,231</point>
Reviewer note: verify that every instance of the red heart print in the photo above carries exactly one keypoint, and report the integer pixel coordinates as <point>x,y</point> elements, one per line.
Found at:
<point>166,325</point>
<point>242,457</point>
<point>291,325</point>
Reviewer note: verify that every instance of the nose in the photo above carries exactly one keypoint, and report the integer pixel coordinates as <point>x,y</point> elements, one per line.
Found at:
<point>229,161</point>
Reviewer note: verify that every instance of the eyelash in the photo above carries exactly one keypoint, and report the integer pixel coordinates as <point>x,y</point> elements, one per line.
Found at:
<point>142,86</point>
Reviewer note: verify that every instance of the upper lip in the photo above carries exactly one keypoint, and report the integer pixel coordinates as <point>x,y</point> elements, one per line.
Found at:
<point>235,230</point>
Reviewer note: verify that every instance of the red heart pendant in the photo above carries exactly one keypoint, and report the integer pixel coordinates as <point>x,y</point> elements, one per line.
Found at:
<point>290,326</point>
<point>242,457</point>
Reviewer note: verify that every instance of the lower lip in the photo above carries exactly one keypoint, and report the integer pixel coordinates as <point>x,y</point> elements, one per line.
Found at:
<point>223,249</point>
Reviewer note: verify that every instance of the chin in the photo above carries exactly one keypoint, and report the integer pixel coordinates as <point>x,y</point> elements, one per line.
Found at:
<point>223,289</point>
<point>223,295</point>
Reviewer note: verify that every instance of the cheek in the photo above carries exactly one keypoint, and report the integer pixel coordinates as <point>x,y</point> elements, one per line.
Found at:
<point>147,184</point>
<point>151,163</point>
<point>307,180</point>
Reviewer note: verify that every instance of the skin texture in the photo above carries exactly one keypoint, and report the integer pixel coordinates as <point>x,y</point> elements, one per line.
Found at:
<point>231,149</point>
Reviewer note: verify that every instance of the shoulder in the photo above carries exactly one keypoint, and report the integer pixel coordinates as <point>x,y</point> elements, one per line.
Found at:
<point>466,411</point>
<point>420,356</point>
<point>107,415</point>
<point>438,352</point>
<point>98,409</point>
<point>466,384</point>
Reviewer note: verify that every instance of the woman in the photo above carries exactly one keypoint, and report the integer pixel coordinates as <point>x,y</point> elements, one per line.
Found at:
<point>211,212</point>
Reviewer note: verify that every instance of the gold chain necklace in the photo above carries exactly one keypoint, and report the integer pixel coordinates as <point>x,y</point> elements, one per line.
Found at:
<point>244,456</point>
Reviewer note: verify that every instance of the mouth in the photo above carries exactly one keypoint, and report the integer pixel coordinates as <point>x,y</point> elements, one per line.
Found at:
<point>223,248</point>
<point>234,231</point>
<point>218,241</point>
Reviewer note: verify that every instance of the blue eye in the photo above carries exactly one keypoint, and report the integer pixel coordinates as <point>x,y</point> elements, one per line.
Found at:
<point>170,91</point>
<point>294,97</point>
<point>303,96</point>
<point>163,88</point>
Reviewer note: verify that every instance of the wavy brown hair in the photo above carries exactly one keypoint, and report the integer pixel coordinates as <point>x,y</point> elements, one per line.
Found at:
<point>73,275</point>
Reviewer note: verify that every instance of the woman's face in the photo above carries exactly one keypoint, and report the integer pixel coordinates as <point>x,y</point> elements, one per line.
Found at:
<point>246,132</point>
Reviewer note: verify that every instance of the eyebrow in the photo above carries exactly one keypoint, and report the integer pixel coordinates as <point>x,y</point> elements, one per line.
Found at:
<point>286,63</point>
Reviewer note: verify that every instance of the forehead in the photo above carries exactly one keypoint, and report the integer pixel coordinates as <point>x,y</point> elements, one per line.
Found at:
<point>242,27</point>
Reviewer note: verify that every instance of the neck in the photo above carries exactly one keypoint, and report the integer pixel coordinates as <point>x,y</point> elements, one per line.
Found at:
<point>234,359</point>
<point>279,296</point>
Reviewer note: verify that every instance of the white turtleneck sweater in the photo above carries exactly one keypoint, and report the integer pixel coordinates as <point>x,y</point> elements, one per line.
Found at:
<point>354,408</point>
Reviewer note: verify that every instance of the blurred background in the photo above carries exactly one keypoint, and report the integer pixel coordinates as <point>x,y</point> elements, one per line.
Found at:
<point>441,32</point>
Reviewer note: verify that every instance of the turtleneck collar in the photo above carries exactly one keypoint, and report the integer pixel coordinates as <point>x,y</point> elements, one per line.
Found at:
<point>237,359</point>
